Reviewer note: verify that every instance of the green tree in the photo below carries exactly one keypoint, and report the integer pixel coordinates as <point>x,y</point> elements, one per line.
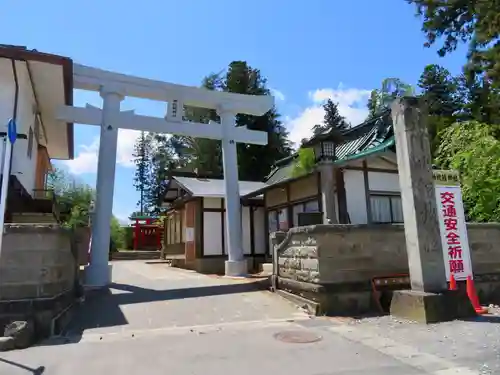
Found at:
<point>381,99</point>
<point>332,119</point>
<point>143,166</point>
<point>117,233</point>
<point>474,22</point>
<point>470,148</point>
<point>305,162</point>
<point>162,163</point>
<point>75,198</point>
<point>442,94</point>
<point>254,161</point>
<point>200,154</point>
<point>482,100</point>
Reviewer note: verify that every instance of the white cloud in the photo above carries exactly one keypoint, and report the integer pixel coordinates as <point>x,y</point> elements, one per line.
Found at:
<point>123,218</point>
<point>278,95</point>
<point>351,104</point>
<point>86,159</point>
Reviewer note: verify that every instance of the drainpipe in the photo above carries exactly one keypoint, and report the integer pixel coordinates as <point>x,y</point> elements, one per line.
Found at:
<point>37,103</point>
<point>6,171</point>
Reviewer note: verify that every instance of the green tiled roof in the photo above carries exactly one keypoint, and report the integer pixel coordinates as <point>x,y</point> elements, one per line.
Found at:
<point>281,173</point>
<point>374,135</point>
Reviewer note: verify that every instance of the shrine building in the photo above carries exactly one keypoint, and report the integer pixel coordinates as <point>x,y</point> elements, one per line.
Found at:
<point>355,181</point>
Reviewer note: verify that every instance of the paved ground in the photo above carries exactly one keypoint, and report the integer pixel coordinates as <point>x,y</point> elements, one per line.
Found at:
<point>160,320</point>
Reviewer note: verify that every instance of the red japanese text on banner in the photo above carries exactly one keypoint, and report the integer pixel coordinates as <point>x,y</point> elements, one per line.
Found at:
<point>453,229</point>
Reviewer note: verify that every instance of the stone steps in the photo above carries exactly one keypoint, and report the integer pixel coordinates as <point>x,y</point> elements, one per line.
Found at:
<point>135,255</point>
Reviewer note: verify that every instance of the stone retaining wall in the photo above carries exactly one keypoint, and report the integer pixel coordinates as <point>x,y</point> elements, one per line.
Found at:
<point>38,270</point>
<point>334,264</point>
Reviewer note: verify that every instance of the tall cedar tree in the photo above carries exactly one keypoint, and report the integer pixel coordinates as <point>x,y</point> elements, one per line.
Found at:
<point>442,94</point>
<point>481,98</point>
<point>332,119</point>
<point>142,159</point>
<point>254,161</point>
<point>162,163</point>
<point>199,154</point>
<point>475,22</point>
<point>466,97</point>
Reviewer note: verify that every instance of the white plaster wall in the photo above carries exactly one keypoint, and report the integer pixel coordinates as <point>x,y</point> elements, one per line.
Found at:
<point>380,181</point>
<point>260,230</point>
<point>212,202</point>
<point>22,166</point>
<point>355,196</point>
<point>212,233</point>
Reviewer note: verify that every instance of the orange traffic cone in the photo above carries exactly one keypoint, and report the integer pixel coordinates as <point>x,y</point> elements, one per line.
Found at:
<point>474,299</point>
<point>453,283</point>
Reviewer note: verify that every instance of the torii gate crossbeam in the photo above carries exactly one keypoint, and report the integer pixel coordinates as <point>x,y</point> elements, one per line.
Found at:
<point>113,87</point>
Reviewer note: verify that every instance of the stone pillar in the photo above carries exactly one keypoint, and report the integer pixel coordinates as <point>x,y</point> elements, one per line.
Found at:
<point>423,241</point>
<point>328,201</point>
<point>98,273</point>
<point>428,301</point>
<point>236,264</point>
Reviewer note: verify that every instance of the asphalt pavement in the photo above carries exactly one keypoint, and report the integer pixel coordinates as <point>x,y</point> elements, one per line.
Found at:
<point>162,320</point>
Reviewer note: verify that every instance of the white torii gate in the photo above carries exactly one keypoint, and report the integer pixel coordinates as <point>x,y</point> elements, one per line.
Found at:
<point>113,87</point>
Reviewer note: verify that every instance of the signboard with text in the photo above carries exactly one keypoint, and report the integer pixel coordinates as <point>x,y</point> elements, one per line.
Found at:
<point>452,224</point>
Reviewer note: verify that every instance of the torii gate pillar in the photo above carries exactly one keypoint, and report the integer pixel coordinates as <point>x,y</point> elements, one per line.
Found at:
<point>99,271</point>
<point>235,265</point>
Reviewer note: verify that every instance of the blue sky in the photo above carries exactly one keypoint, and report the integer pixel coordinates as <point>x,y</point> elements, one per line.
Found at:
<point>309,51</point>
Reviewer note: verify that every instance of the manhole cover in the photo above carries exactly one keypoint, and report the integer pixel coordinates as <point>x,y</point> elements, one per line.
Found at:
<point>297,337</point>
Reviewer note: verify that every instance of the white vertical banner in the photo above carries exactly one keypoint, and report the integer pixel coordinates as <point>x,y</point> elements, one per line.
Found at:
<point>452,225</point>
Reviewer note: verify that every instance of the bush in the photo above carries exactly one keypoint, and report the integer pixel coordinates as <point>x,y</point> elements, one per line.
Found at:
<point>472,149</point>
<point>128,237</point>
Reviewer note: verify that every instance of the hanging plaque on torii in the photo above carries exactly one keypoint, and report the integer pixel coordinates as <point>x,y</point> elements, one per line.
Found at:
<point>113,87</point>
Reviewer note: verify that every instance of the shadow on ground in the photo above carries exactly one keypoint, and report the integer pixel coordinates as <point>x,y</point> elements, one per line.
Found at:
<point>103,308</point>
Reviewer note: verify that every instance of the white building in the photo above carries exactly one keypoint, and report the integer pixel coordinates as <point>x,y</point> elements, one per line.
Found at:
<point>32,86</point>
<point>195,226</point>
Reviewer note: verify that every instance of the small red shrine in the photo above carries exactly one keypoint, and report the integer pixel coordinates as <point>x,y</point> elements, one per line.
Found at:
<point>147,234</point>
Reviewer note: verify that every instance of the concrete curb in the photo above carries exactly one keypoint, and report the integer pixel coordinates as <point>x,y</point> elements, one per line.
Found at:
<point>313,308</point>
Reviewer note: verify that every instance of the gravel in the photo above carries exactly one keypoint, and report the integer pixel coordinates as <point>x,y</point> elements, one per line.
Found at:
<point>474,344</point>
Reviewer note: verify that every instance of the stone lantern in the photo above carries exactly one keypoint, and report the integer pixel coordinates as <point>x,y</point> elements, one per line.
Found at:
<point>324,151</point>
<point>324,147</point>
